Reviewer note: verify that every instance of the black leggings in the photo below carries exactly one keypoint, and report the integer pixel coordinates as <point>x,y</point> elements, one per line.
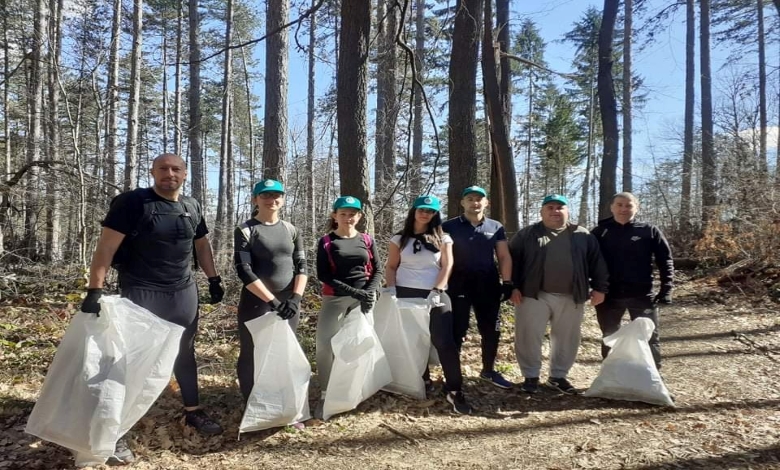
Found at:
<point>249,308</point>
<point>442,336</point>
<point>179,307</point>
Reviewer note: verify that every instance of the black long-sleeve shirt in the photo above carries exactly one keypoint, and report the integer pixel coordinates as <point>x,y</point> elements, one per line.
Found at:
<point>629,251</point>
<point>350,258</point>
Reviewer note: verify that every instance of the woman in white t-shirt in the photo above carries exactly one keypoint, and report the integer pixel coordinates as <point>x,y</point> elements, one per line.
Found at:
<point>419,262</point>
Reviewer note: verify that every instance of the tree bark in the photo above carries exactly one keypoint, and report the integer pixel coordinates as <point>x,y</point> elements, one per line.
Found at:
<point>387,115</point>
<point>584,201</point>
<point>4,202</point>
<point>505,190</point>
<point>197,177</point>
<point>112,99</point>
<point>762,92</point>
<point>53,251</point>
<point>463,101</point>
<point>134,102</point>
<point>690,97</point>
<point>415,172</point>
<point>224,192</point>
<point>709,170</point>
<point>276,85</point>
<point>627,92</point>
<point>351,81</point>
<point>311,200</point>
<point>177,134</point>
<point>608,108</point>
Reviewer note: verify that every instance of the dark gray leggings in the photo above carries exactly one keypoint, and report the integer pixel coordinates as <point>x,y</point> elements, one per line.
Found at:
<point>179,307</point>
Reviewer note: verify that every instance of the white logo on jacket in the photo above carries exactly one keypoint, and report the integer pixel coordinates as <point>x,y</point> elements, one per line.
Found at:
<point>635,238</point>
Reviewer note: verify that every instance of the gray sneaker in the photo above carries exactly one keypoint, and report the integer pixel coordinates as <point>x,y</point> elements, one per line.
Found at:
<point>122,454</point>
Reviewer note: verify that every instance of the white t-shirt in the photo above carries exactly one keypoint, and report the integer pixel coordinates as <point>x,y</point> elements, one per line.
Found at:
<point>418,270</point>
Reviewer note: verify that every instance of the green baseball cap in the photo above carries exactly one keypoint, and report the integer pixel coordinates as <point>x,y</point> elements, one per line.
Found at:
<point>267,186</point>
<point>427,201</point>
<point>556,198</point>
<point>347,202</point>
<point>474,189</point>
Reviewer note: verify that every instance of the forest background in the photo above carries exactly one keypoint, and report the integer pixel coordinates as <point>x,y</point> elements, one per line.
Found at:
<point>401,98</point>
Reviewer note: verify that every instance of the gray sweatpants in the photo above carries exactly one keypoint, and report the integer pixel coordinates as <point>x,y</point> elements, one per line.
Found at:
<point>334,308</point>
<point>531,318</point>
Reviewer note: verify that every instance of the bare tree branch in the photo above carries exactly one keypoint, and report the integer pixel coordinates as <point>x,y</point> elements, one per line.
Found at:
<point>570,76</point>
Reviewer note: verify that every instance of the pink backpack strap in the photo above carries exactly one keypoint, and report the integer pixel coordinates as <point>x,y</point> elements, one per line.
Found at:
<point>328,246</point>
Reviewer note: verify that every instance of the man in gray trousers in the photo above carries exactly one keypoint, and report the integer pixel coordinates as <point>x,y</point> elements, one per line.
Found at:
<point>557,266</point>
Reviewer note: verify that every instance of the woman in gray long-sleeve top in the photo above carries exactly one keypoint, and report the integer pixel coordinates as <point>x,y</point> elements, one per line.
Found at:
<point>271,262</point>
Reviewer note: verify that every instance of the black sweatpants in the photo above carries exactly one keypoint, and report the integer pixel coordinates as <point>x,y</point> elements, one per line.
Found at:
<point>441,327</point>
<point>179,307</point>
<point>249,308</point>
<point>483,294</point>
<point>610,314</point>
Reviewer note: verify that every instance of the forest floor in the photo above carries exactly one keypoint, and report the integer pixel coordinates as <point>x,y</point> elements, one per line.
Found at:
<point>722,353</point>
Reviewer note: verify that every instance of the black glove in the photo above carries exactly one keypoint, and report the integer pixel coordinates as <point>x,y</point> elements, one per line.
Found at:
<point>290,307</point>
<point>278,307</point>
<point>342,288</point>
<point>215,289</point>
<point>506,290</point>
<point>90,303</point>
<point>664,296</point>
<point>367,305</point>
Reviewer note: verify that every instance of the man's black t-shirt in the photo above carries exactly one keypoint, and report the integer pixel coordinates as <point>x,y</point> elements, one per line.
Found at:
<point>159,257</point>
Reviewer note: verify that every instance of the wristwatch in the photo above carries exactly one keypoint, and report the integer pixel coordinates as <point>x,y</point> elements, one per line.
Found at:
<point>436,289</point>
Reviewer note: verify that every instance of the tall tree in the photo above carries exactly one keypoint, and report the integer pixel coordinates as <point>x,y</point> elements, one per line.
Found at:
<point>709,170</point>
<point>112,100</point>
<point>177,133</point>
<point>415,172</point>
<point>461,121</point>
<point>608,108</point>
<point>311,200</point>
<point>690,98</point>
<point>134,102</point>
<point>628,29</point>
<point>351,81</point>
<point>224,191</point>
<point>195,132</point>
<point>53,250</point>
<point>276,85</point>
<point>504,187</point>
<point>4,205</point>
<point>762,90</point>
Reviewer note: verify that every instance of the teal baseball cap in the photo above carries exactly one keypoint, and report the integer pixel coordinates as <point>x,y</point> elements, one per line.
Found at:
<point>474,189</point>
<point>267,186</point>
<point>347,202</point>
<point>427,201</point>
<point>556,198</point>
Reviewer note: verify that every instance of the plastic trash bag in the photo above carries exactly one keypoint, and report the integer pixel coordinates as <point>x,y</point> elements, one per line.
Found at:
<point>403,328</point>
<point>360,368</point>
<point>280,395</point>
<point>107,372</point>
<point>629,372</point>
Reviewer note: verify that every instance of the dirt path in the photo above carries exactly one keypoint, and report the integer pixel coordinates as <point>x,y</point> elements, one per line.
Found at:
<point>721,364</point>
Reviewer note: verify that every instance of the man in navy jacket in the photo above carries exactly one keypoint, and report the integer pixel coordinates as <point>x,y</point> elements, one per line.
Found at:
<point>630,247</point>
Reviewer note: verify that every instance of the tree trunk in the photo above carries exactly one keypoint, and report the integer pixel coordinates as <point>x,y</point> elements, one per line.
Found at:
<point>177,139</point>
<point>608,108</point>
<point>112,101</point>
<point>53,199</point>
<point>762,92</point>
<point>415,172</point>
<point>134,103</point>
<point>351,81</point>
<point>311,200</point>
<point>35,132</point>
<point>276,85</point>
<point>7,166</point>
<point>222,225</point>
<point>387,116</point>
<point>462,106</point>
<point>165,105</point>
<point>505,192</point>
<point>690,97</point>
<point>195,133</point>
<point>582,219</point>
<point>709,170</point>
<point>627,91</point>
<point>502,23</point>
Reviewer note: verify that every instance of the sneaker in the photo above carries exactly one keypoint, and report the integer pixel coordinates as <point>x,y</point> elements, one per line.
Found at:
<point>530,385</point>
<point>496,379</point>
<point>122,454</point>
<point>561,384</point>
<point>459,403</point>
<point>199,420</point>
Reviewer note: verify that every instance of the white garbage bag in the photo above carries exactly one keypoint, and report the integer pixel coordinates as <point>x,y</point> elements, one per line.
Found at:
<point>280,395</point>
<point>107,372</point>
<point>360,367</point>
<point>403,328</point>
<point>629,372</point>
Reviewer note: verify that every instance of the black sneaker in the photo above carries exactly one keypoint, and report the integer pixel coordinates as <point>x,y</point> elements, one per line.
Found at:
<point>122,454</point>
<point>530,385</point>
<point>459,403</point>
<point>496,379</point>
<point>199,420</point>
<point>561,384</point>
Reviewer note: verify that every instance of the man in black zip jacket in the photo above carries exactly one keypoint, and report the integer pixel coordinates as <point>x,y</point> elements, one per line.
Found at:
<point>629,248</point>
